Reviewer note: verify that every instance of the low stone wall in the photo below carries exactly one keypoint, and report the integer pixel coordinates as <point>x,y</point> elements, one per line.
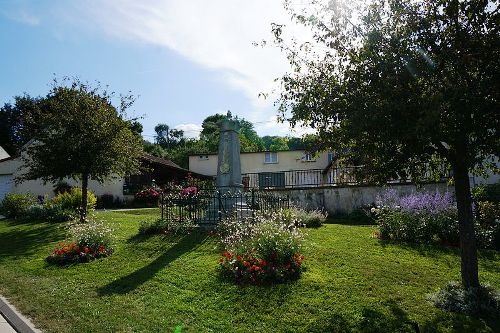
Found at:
<point>346,199</point>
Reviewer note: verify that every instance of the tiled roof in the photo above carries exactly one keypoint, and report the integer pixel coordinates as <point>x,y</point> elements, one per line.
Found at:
<point>162,161</point>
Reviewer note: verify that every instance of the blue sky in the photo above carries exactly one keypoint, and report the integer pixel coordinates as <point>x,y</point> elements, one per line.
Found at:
<point>185,59</point>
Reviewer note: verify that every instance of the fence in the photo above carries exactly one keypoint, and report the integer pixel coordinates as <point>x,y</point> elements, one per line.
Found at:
<point>211,207</point>
<point>340,176</point>
<point>301,178</point>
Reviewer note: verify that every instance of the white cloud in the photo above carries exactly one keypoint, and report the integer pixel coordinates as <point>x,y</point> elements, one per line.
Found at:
<point>273,127</point>
<point>190,130</point>
<point>215,34</point>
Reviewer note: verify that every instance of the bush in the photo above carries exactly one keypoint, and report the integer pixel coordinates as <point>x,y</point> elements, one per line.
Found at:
<point>49,212</point>
<point>16,205</point>
<point>425,218</point>
<point>481,301</point>
<point>173,227</point>
<point>487,193</point>
<point>72,200</point>
<point>89,241</point>
<point>107,200</point>
<point>149,197</point>
<point>261,250</point>
<point>310,219</point>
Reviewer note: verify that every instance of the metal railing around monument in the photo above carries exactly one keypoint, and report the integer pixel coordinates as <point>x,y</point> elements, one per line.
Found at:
<point>210,207</point>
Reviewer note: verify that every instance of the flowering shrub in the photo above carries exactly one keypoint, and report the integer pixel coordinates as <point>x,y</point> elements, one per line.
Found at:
<point>250,269</point>
<point>261,250</point>
<point>67,253</point>
<point>191,190</point>
<point>484,300</point>
<point>310,219</point>
<point>88,241</point>
<point>148,196</point>
<point>425,218</point>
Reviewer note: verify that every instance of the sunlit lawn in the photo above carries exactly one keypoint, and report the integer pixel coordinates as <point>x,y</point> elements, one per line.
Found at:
<point>353,283</point>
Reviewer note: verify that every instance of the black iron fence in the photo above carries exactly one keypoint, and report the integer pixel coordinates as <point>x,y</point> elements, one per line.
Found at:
<point>210,207</point>
<point>340,176</point>
<point>301,178</point>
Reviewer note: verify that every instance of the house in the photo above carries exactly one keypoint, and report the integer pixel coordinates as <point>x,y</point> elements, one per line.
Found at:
<point>3,154</point>
<point>274,169</point>
<point>297,168</point>
<point>157,170</point>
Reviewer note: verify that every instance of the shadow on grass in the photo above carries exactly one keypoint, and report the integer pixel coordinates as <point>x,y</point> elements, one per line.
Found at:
<point>460,323</point>
<point>427,250</point>
<point>349,221</point>
<point>393,319</point>
<point>139,238</point>
<point>130,282</point>
<point>25,240</point>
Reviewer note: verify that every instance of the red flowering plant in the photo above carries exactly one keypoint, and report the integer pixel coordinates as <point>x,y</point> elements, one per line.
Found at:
<point>148,196</point>
<point>261,250</point>
<point>89,241</point>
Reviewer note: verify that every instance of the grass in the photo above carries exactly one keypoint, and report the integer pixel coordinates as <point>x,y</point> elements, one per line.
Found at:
<point>353,283</point>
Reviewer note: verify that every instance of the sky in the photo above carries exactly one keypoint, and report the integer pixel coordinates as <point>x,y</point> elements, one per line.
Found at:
<point>185,60</point>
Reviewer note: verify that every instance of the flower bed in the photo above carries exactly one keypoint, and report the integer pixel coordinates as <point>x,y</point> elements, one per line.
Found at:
<point>89,241</point>
<point>427,218</point>
<point>67,253</point>
<point>261,250</point>
<point>250,269</point>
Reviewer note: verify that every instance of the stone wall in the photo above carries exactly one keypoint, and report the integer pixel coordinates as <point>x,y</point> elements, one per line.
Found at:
<point>346,199</point>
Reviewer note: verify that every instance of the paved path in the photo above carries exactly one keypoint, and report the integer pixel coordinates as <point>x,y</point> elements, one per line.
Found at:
<point>5,326</point>
<point>10,318</point>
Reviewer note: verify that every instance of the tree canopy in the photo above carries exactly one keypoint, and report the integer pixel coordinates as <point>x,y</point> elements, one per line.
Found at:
<point>82,136</point>
<point>405,88</point>
<point>19,122</point>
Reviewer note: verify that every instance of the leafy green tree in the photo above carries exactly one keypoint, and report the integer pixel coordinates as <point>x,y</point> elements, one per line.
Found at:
<point>168,137</point>
<point>19,122</point>
<point>249,139</point>
<point>275,143</point>
<point>404,87</point>
<point>82,136</point>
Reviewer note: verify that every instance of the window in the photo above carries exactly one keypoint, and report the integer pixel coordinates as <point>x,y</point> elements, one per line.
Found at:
<point>203,157</point>
<point>308,158</point>
<point>271,157</point>
<point>330,156</point>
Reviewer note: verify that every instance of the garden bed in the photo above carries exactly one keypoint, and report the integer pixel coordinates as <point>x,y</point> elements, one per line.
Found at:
<point>353,282</point>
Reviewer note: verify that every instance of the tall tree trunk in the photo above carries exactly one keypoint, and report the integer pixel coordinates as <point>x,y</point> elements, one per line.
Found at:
<point>468,249</point>
<point>85,184</point>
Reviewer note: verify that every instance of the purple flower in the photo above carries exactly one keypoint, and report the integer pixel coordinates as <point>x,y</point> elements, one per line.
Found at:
<point>432,202</point>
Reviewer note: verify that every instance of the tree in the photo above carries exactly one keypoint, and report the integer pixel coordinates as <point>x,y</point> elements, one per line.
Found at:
<point>406,87</point>
<point>19,122</point>
<point>275,143</point>
<point>168,137</point>
<point>82,136</point>
<point>249,139</point>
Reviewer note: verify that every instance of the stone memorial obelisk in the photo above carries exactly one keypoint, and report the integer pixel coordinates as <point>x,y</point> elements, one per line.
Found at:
<point>229,163</point>
<point>228,198</point>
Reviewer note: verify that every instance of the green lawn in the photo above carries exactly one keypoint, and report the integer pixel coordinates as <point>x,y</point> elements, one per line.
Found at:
<point>353,283</point>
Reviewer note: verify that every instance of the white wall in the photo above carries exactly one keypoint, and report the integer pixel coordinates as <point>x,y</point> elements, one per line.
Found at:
<point>346,199</point>
<point>15,167</point>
